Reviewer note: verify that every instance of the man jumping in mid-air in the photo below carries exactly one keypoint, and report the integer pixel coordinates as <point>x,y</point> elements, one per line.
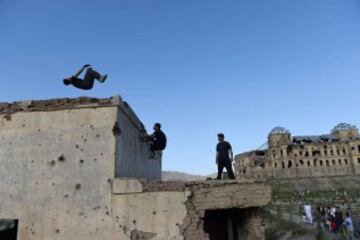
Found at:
<point>88,82</point>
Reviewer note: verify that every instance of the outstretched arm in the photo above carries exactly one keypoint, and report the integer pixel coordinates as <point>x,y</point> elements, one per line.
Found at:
<point>147,138</point>
<point>81,70</point>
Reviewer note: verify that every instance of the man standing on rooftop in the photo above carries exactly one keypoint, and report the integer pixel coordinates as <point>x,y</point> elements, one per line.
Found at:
<point>224,157</point>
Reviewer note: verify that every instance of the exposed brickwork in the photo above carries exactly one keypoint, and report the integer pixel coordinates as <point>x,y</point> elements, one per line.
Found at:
<point>224,195</point>
<point>53,104</point>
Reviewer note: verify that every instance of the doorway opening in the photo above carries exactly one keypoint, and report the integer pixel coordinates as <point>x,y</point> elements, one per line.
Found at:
<point>8,229</point>
<point>228,224</point>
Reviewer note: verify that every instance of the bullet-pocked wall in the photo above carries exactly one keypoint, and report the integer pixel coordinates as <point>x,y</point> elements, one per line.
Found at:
<point>57,166</point>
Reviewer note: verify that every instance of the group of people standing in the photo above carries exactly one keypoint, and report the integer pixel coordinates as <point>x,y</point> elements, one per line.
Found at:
<point>332,219</point>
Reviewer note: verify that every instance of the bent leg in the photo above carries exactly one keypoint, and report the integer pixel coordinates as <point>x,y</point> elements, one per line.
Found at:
<point>91,75</point>
<point>82,84</point>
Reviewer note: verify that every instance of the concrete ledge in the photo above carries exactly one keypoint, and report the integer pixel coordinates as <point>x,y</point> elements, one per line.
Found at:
<point>127,185</point>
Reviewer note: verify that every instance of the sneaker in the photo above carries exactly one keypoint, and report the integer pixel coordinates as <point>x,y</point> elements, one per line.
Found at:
<point>103,78</point>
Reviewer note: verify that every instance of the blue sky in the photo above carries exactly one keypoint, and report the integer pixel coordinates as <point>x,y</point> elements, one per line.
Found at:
<point>199,67</point>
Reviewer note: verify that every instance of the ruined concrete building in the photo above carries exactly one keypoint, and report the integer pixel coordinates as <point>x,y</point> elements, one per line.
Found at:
<point>77,169</point>
<point>334,154</point>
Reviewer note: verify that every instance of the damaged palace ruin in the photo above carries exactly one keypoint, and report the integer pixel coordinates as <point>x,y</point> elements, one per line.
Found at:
<point>334,154</point>
<point>77,169</point>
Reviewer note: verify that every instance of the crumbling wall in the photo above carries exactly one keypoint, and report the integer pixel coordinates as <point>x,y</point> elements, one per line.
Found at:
<point>56,171</point>
<point>58,160</point>
<point>176,210</point>
<point>225,195</point>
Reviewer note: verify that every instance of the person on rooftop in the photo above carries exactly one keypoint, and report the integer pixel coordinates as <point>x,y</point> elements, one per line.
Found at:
<point>224,157</point>
<point>88,82</point>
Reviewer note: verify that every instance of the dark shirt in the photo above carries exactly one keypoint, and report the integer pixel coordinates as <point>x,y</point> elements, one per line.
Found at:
<point>339,218</point>
<point>159,140</point>
<point>222,149</point>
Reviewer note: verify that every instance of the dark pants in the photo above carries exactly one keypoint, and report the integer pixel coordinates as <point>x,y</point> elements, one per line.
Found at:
<point>155,146</point>
<point>228,166</point>
<point>88,81</point>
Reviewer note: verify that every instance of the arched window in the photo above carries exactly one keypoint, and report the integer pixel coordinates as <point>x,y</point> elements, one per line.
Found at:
<point>290,164</point>
<point>306,154</point>
<point>283,164</point>
<point>327,163</point>
<point>340,163</point>
<point>321,162</point>
<point>308,163</point>
<point>276,165</point>
<point>333,162</point>
<point>315,162</point>
<point>301,162</point>
<point>346,161</point>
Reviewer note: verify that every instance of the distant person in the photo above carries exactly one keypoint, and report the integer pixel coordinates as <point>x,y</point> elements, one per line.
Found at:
<point>157,140</point>
<point>88,82</point>
<point>349,227</point>
<point>224,157</point>
<point>308,212</point>
<point>339,218</point>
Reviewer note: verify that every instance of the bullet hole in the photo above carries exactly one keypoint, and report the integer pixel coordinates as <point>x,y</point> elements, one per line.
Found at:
<point>82,149</point>
<point>77,146</point>
<point>68,212</point>
<point>97,135</point>
<point>23,125</point>
<point>97,208</point>
<point>10,143</point>
<point>52,163</point>
<point>52,184</point>
<point>32,161</point>
<point>95,159</point>
<point>81,214</point>
<point>81,161</point>
<point>77,186</point>
<point>134,222</point>
<point>85,140</point>
<point>107,213</point>
<point>109,180</point>
<point>57,231</point>
<point>177,224</point>
<point>61,158</point>
<point>117,217</point>
<point>154,212</point>
<point>66,196</point>
<point>101,154</point>
<point>91,126</point>
<point>37,183</point>
<point>39,130</point>
<point>116,129</point>
<point>7,118</point>
<point>39,145</point>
